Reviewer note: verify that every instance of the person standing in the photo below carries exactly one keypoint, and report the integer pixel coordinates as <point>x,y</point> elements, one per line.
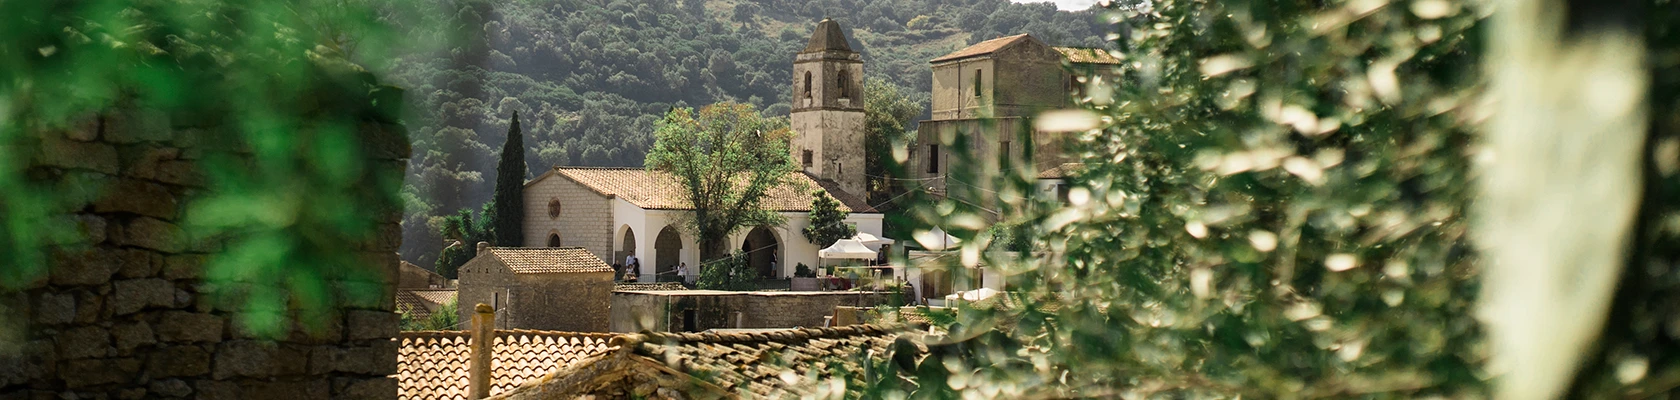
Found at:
<point>682,272</point>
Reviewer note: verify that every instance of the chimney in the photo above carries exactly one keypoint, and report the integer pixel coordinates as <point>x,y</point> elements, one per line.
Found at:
<point>481,247</point>
<point>483,340</point>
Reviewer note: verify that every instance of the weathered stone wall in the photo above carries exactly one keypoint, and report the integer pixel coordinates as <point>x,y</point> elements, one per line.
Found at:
<point>481,279</point>
<point>665,311</point>
<point>570,302</point>
<point>413,277</point>
<point>585,218</point>
<point>125,311</point>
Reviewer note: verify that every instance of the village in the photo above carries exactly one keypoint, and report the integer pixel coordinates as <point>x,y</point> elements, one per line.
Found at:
<point>839,199</point>
<point>606,262</point>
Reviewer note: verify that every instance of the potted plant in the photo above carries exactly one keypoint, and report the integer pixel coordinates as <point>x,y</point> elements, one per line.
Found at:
<point>804,278</point>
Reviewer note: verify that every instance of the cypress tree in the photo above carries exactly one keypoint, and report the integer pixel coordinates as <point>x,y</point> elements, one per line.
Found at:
<point>508,217</point>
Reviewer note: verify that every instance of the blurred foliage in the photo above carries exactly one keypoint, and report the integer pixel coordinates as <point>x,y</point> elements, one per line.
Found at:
<point>273,79</point>
<point>507,205</point>
<point>727,158</point>
<point>591,78</point>
<point>1272,206</point>
<point>828,222</point>
<point>728,273</point>
<point>446,318</point>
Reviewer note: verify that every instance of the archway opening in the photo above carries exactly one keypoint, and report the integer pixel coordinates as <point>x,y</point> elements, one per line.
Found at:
<point>763,249</point>
<point>554,240</point>
<point>667,252</point>
<point>626,247</point>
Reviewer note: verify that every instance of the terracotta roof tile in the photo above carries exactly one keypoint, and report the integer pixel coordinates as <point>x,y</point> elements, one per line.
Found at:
<point>433,364</point>
<point>1086,55</point>
<point>656,190</point>
<point>982,48</point>
<point>544,260</point>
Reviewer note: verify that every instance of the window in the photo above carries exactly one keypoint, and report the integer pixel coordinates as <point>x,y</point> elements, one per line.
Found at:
<point>806,156</point>
<point>977,83</point>
<point>553,240</point>
<point>1003,149</point>
<point>807,84</point>
<point>1062,192</point>
<point>496,301</point>
<point>844,92</point>
<point>553,208</point>
<point>933,159</point>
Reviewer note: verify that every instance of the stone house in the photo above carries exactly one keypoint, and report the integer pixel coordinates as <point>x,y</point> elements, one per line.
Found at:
<point>558,288</point>
<point>984,97</point>
<point>616,212</point>
<point>745,364</point>
<point>410,276</point>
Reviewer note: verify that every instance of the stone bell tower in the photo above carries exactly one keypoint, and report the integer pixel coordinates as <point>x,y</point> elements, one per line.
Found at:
<point>827,117</point>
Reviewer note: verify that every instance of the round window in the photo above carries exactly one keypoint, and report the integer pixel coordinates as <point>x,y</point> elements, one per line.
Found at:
<point>554,209</point>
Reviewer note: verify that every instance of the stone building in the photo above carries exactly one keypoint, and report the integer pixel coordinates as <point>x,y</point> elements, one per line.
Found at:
<point>560,288</point>
<point>615,212</point>
<point>827,116</point>
<point>984,97</point>
<point>411,276</point>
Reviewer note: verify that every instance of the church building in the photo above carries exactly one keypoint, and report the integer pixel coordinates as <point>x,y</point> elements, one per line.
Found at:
<point>618,212</point>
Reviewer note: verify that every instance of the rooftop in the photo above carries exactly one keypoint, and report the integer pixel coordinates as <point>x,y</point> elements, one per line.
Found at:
<point>750,364</point>
<point>646,287</point>
<point>983,48</point>
<point>658,190</point>
<point>1086,55</point>
<point>1061,171</point>
<point>419,303</point>
<point>433,364</point>
<point>827,36</point>
<point>547,260</point>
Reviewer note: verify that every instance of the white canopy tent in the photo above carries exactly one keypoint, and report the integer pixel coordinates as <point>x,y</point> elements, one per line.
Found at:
<point>847,249</point>
<point>936,240</point>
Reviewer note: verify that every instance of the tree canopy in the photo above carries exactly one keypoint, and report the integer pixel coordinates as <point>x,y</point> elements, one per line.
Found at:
<point>727,158</point>
<point>828,222</point>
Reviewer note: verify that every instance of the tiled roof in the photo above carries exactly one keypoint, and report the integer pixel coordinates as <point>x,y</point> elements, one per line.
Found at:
<point>986,47</point>
<point>1086,55</point>
<point>1061,171</point>
<point>752,364</point>
<point>642,287</point>
<point>545,260</point>
<point>656,190</point>
<point>419,303</point>
<point>433,364</point>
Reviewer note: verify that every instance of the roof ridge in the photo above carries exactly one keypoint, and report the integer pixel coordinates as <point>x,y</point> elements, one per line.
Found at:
<point>600,168</point>
<point>792,335</point>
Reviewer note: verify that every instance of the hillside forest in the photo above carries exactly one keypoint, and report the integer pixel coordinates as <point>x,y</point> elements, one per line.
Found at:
<point>590,78</point>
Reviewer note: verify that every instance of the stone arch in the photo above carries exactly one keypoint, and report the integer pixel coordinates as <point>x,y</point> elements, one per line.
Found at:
<point>553,238</point>
<point>624,246</point>
<point>667,252</point>
<point>845,84</point>
<point>763,248</point>
<point>807,84</point>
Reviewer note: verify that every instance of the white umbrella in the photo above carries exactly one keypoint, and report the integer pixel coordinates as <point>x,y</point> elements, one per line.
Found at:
<point>972,295</point>
<point>936,239</point>
<point>847,248</point>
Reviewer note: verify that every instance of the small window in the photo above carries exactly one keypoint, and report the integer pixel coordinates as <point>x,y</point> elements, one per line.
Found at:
<point>806,156</point>
<point>553,208</point>
<point>807,84</point>
<point>845,92</point>
<point>933,159</point>
<point>1062,192</point>
<point>977,83</point>
<point>553,240</point>
<point>496,301</point>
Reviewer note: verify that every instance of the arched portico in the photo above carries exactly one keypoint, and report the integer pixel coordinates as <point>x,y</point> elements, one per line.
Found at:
<point>626,245</point>
<point>667,252</point>
<point>763,247</point>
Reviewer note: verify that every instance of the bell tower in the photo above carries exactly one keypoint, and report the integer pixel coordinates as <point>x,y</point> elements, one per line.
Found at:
<point>827,116</point>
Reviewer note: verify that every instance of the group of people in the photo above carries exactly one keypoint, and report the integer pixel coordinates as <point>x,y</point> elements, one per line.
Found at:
<point>631,270</point>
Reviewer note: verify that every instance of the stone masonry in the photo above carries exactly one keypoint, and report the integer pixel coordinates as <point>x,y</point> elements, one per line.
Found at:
<point>125,312</point>
<point>584,220</point>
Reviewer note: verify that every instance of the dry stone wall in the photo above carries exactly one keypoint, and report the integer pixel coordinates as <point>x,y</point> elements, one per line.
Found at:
<point>125,311</point>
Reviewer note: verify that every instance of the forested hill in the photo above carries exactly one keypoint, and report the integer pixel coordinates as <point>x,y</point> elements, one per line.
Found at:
<point>589,78</point>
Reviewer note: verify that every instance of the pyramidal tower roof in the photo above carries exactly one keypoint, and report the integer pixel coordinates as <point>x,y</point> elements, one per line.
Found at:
<point>827,37</point>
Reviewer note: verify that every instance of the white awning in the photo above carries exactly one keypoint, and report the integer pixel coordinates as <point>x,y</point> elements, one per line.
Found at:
<point>847,248</point>
<point>936,239</point>
<point>871,240</point>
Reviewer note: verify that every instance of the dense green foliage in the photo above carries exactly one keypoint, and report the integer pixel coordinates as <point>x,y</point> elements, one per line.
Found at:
<point>507,204</point>
<point>272,74</point>
<point>464,232</point>
<point>888,112</point>
<point>1273,206</point>
<point>727,273</point>
<point>828,222</point>
<point>592,78</point>
<point>727,158</point>
<point>445,318</point>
